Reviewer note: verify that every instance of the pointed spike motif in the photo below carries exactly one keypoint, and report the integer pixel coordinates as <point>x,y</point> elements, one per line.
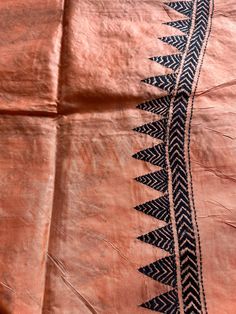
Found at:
<point>182,25</point>
<point>165,82</point>
<point>155,155</point>
<point>163,270</point>
<point>158,208</point>
<point>178,41</point>
<point>170,61</point>
<point>158,106</point>
<point>165,303</point>
<point>156,129</point>
<point>157,180</point>
<point>162,238</point>
<point>183,7</point>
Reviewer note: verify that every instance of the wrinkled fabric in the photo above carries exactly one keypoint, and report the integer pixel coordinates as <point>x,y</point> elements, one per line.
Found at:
<point>69,86</point>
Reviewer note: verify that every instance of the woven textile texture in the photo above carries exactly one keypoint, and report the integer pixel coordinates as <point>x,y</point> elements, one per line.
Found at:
<point>117,157</point>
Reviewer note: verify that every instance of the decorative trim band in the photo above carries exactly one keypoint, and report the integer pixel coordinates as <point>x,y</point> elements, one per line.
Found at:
<point>181,270</point>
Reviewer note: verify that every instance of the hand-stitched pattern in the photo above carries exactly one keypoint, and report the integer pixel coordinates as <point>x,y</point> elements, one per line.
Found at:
<point>171,130</point>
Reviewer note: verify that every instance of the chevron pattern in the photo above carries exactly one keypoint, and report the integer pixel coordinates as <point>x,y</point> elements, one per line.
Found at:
<point>162,238</point>
<point>155,155</point>
<point>182,25</point>
<point>158,106</point>
<point>156,180</point>
<point>171,61</point>
<point>165,82</point>
<point>163,270</point>
<point>165,303</point>
<point>183,7</point>
<point>190,280</point>
<point>178,41</point>
<point>171,130</point>
<point>158,208</point>
<point>156,129</point>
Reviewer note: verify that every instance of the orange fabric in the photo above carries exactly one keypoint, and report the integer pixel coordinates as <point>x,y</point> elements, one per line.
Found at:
<point>69,86</point>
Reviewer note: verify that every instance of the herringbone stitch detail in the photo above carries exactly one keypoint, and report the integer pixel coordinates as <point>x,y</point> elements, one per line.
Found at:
<point>183,7</point>
<point>165,303</point>
<point>162,238</point>
<point>178,41</point>
<point>156,129</point>
<point>158,106</point>
<point>164,270</point>
<point>157,180</point>
<point>171,61</point>
<point>166,82</point>
<point>155,155</point>
<point>184,221</point>
<point>158,208</point>
<point>182,25</point>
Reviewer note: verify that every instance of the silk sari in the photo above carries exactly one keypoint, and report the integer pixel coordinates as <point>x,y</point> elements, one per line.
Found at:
<point>117,150</point>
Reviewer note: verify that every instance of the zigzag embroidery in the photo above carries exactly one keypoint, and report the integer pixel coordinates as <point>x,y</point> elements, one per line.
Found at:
<point>156,129</point>
<point>156,180</point>
<point>166,82</point>
<point>158,106</point>
<point>165,303</point>
<point>183,7</point>
<point>155,155</point>
<point>171,61</point>
<point>178,41</point>
<point>162,238</point>
<point>164,270</point>
<point>158,208</point>
<point>182,25</point>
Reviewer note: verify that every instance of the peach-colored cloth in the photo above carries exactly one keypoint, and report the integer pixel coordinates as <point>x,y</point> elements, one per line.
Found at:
<point>69,86</point>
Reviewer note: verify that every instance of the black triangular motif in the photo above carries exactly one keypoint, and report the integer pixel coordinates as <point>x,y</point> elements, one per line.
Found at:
<point>163,270</point>
<point>156,129</point>
<point>157,180</point>
<point>162,238</point>
<point>158,208</point>
<point>159,106</point>
<point>182,25</point>
<point>178,41</point>
<point>183,7</point>
<point>170,61</point>
<point>165,303</point>
<point>165,82</point>
<point>155,155</point>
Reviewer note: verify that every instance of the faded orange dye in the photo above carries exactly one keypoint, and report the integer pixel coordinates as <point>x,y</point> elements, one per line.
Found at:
<point>69,86</point>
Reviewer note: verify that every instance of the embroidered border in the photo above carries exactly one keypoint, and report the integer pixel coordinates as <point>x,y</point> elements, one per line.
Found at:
<point>181,270</point>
